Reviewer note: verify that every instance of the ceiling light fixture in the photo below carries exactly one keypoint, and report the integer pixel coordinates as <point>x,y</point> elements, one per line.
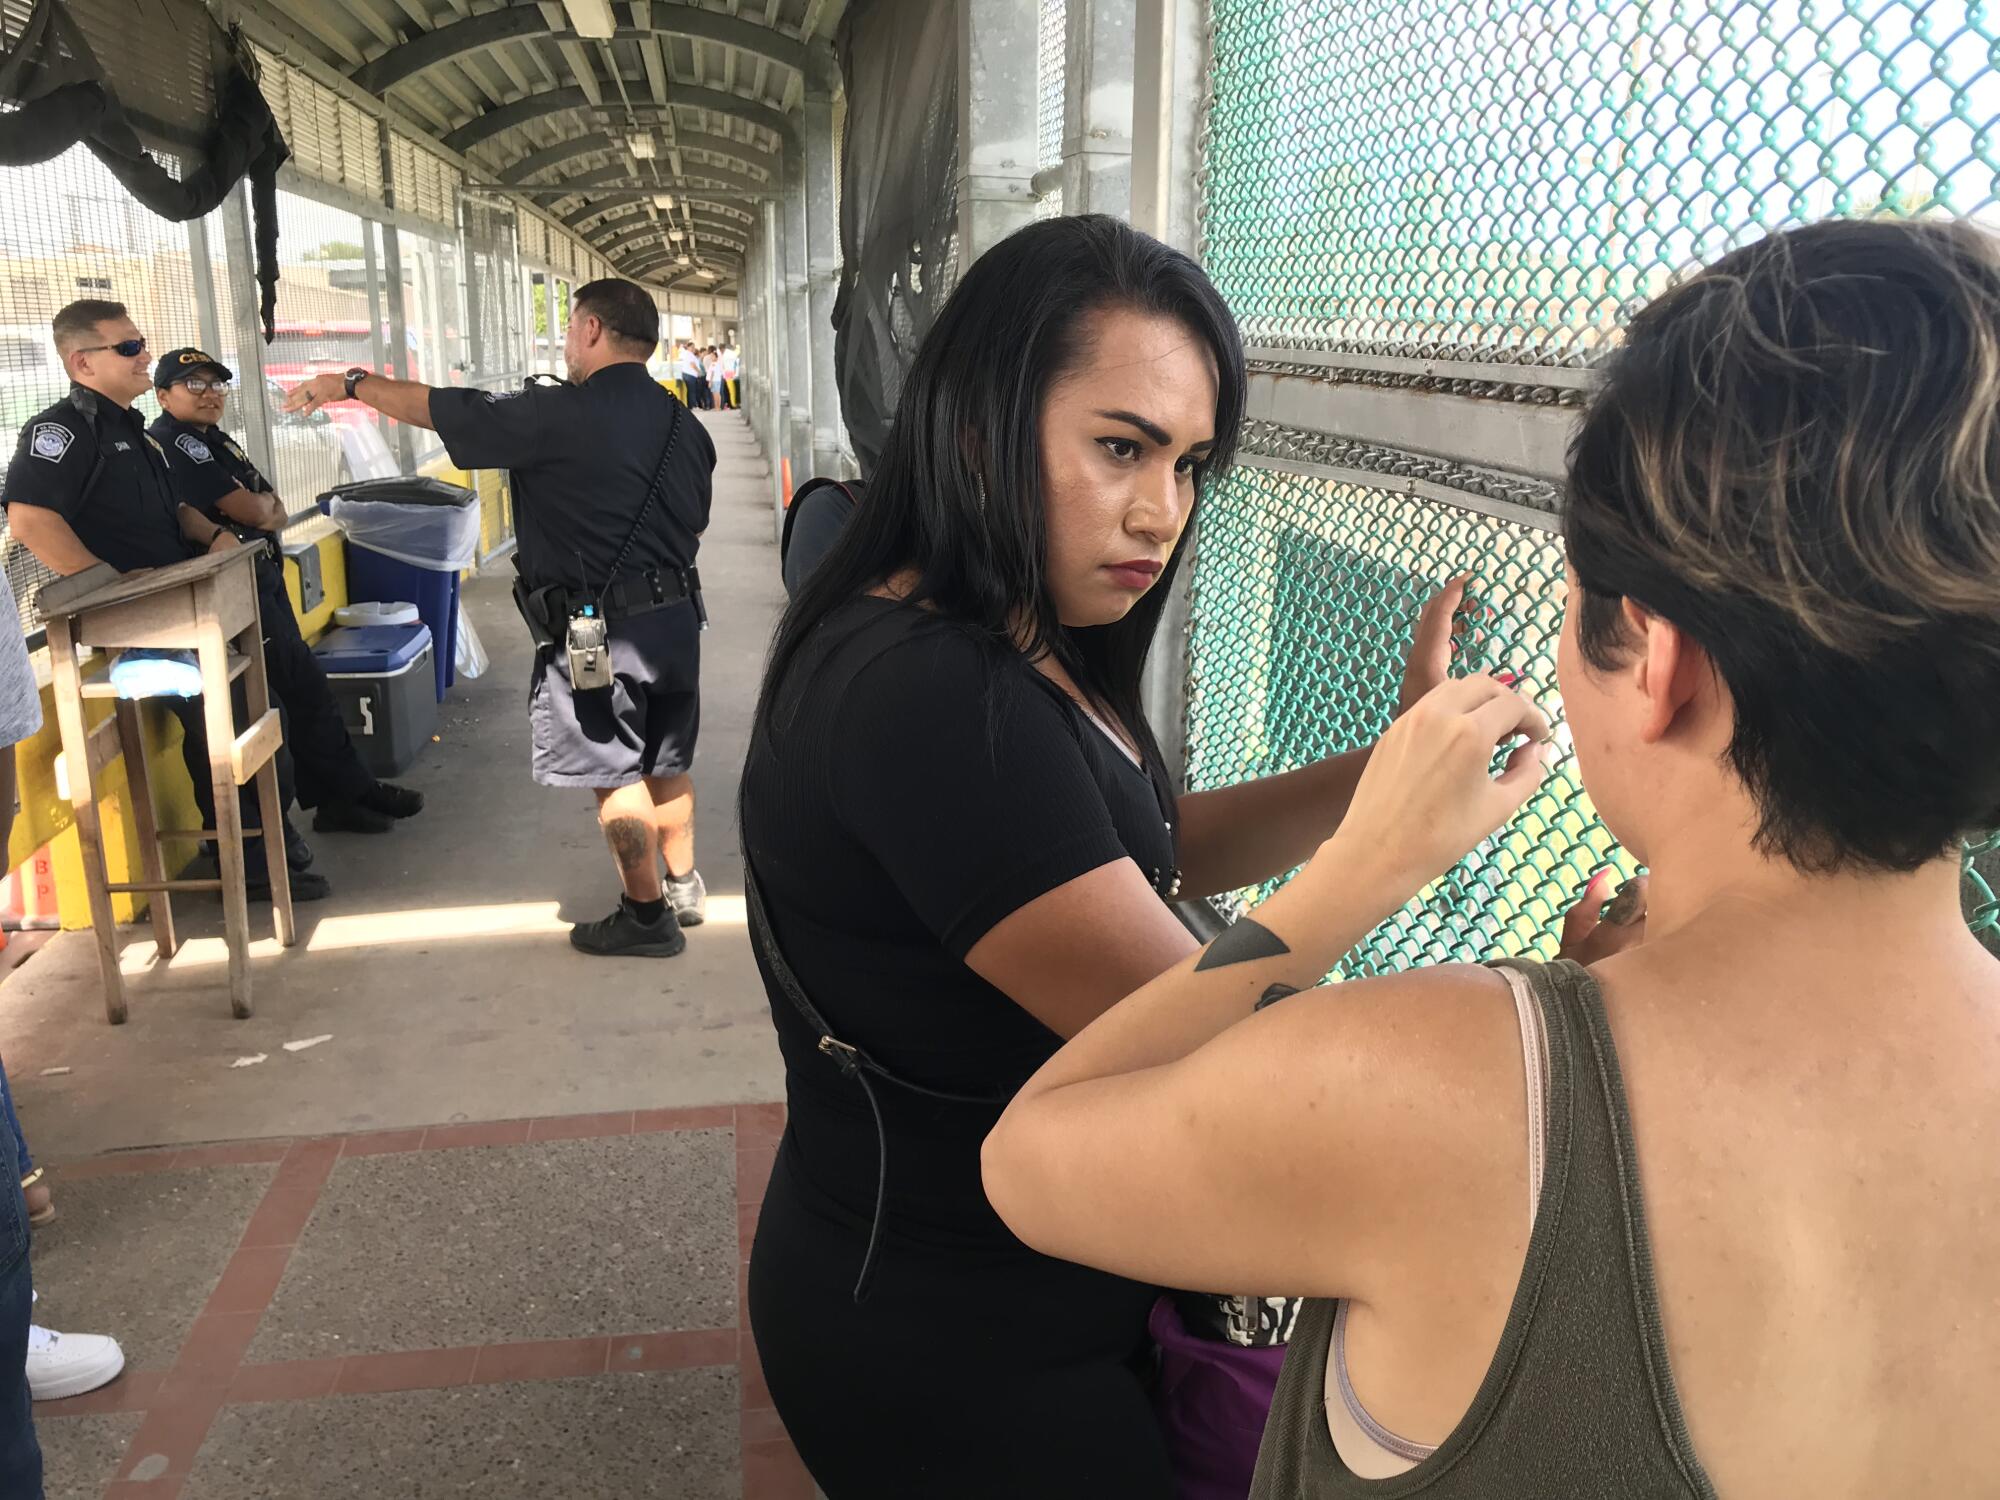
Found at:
<point>663,200</point>
<point>680,260</point>
<point>591,18</point>
<point>675,234</point>
<point>642,146</point>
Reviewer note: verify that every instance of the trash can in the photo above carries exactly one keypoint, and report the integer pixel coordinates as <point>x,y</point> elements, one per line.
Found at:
<point>408,539</point>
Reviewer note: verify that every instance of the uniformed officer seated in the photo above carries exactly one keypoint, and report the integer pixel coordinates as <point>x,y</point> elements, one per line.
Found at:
<point>611,481</point>
<point>214,475</point>
<point>89,484</point>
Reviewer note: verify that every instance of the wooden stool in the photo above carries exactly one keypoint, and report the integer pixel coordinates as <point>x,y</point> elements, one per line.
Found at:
<point>205,605</point>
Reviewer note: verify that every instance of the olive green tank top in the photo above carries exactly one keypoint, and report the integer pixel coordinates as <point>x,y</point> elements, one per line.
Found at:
<point>1578,1403</point>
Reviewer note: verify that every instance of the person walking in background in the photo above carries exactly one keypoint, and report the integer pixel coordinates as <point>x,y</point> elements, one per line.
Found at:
<point>731,364</point>
<point>694,380</point>
<point>711,364</point>
<point>1735,1236</point>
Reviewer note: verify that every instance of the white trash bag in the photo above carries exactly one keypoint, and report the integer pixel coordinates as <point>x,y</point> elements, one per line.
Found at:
<point>471,653</point>
<point>442,538</point>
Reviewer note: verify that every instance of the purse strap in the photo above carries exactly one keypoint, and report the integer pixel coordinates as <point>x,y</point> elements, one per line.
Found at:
<point>849,1058</point>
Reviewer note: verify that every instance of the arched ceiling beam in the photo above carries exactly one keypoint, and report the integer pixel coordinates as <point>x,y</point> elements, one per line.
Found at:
<point>517,23</point>
<point>482,128</point>
<point>699,181</point>
<point>613,203</point>
<point>704,232</point>
<point>740,152</point>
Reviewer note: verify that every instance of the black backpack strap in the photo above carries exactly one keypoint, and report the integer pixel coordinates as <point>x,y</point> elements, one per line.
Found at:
<point>849,1058</point>
<point>811,487</point>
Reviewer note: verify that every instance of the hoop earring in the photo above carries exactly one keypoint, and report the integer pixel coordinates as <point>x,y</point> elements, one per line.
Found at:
<point>979,484</point>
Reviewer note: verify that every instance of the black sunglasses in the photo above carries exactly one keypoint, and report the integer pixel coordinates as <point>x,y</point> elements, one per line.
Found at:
<point>128,348</point>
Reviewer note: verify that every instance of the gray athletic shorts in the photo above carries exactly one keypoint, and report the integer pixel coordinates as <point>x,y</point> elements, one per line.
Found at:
<point>644,724</point>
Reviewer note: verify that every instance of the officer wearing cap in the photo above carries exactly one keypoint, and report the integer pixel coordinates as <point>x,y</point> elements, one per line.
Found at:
<point>611,484</point>
<point>215,476</point>
<point>88,484</point>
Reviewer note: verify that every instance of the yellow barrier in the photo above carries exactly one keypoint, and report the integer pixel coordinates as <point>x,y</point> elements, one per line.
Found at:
<point>47,817</point>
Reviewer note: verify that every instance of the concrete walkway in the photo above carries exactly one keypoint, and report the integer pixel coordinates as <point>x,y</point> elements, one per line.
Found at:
<point>441,965</point>
<point>487,1239</point>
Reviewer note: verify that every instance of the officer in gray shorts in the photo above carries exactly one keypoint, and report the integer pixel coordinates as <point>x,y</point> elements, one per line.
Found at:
<point>611,485</point>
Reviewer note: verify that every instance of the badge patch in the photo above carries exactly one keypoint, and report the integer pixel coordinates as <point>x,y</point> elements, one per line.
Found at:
<point>194,448</point>
<point>492,396</point>
<point>51,441</point>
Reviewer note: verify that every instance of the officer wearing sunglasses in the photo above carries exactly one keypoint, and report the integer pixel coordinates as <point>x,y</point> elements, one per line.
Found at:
<point>89,484</point>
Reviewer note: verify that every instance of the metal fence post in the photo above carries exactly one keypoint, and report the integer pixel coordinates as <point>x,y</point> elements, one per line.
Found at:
<point>798,321</point>
<point>1097,108</point>
<point>202,271</point>
<point>996,122</point>
<point>255,413</point>
<point>1169,66</point>
<point>771,337</point>
<point>823,252</point>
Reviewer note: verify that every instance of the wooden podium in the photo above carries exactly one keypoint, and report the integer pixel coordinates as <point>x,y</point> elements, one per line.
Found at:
<point>207,605</point>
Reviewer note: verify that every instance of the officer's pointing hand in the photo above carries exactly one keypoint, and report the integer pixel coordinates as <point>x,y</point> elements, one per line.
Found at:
<point>311,395</point>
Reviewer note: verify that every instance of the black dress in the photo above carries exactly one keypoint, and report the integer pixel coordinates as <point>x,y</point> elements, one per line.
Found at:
<point>914,786</point>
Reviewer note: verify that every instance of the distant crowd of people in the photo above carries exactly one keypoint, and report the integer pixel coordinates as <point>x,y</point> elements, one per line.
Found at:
<point>707,375</point>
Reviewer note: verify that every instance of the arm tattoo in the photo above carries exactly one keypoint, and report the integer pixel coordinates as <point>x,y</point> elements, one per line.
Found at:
<point>1274,994</point>
<point>1243,942</point>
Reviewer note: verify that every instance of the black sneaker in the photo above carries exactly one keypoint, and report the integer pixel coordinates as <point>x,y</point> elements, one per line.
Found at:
<point>687,898</point>
<point>392,801</point>
<point>306,886</point>
<point>298,853</point>
<point>350,817</point>
<point>623,935</point>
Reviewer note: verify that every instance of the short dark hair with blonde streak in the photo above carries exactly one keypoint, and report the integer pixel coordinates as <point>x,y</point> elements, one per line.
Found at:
<point>1795,459</point>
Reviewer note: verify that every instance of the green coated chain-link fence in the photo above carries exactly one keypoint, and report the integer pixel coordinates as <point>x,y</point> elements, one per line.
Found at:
<point>1467,199</point>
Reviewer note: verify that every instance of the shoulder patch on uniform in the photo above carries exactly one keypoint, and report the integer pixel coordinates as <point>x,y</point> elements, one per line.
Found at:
<point>501,395</point>
<point>194,448</point>
<point>51,440</point>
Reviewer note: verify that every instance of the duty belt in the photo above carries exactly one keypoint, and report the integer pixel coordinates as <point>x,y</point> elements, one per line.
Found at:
<point>627,595</point>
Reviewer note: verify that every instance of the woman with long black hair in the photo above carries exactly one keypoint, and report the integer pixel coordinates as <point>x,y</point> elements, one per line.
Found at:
<point>965,842</point>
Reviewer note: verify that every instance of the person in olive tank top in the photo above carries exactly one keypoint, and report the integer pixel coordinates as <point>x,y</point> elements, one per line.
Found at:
<point>1706,1207</point>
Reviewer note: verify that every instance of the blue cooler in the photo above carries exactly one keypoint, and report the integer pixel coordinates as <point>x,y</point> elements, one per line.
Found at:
<point>381,677</point>
<point>373,576</point>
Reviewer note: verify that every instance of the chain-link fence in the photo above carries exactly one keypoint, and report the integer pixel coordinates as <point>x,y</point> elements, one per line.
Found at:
<point>1467,200</point>
<point>1052,24</point>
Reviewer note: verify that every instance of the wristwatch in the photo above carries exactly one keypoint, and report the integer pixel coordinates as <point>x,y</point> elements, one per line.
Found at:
<point>354,377</point>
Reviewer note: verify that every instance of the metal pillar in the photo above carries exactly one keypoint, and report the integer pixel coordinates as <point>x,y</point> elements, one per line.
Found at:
<point>798,323</point>
<point>771,334</point>
<point>399,313</point>
<point>376,349</point>
<point>206,318</point>
<point>1170,63</point>
<point>823,281</point>
<point>997,45</point>
<point>1097,108</point>
<point>254,412</point>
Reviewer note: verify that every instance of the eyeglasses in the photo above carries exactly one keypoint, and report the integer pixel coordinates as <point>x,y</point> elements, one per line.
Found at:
<point>202,387</point>
<point>126,348</point>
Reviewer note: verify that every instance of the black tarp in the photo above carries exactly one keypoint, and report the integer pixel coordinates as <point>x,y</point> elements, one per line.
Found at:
<point>62,97</point>
<point>899,154</point>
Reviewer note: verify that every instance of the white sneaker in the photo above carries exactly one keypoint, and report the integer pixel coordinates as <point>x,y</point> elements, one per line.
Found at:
<point>687,897</point>
<point>68,1364</point>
